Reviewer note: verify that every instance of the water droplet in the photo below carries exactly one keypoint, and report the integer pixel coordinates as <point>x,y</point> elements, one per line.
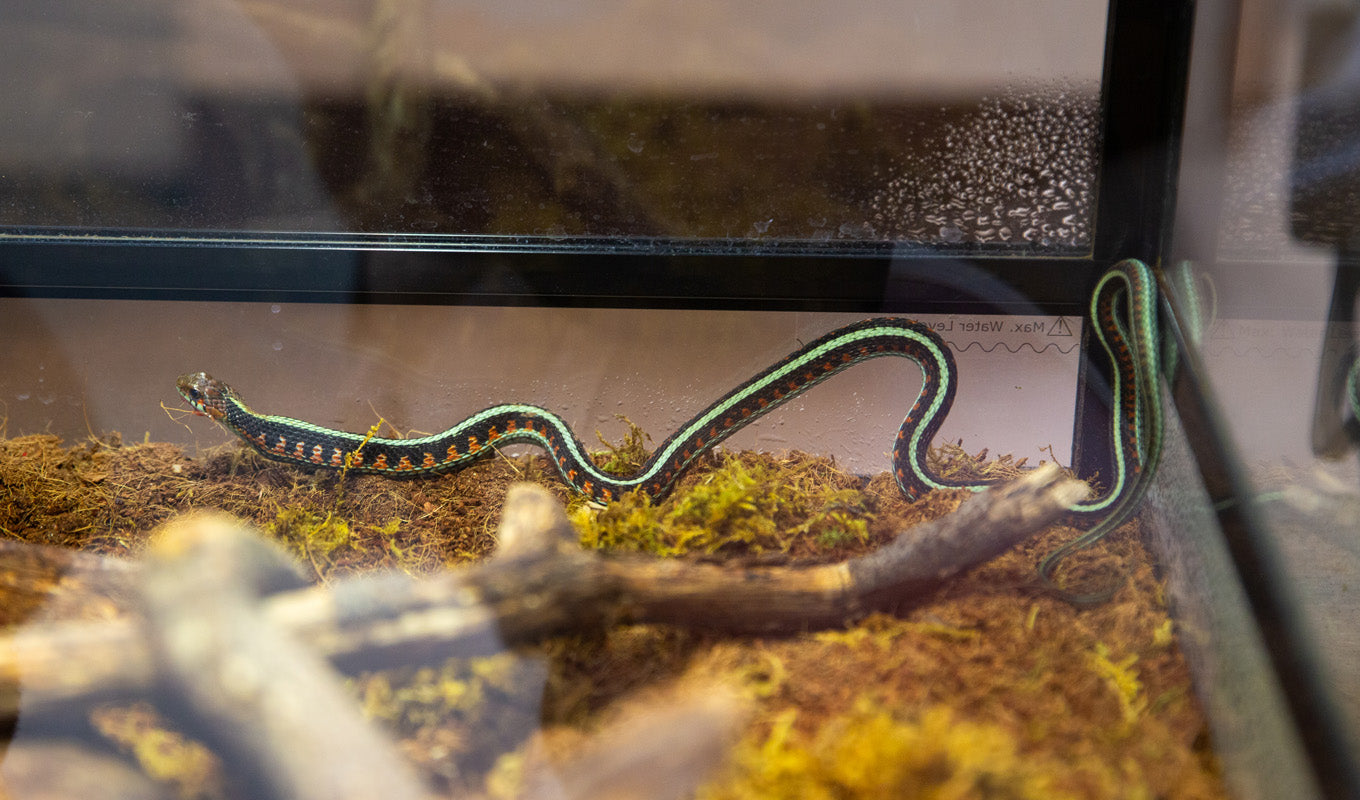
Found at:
<point>1013,151</point>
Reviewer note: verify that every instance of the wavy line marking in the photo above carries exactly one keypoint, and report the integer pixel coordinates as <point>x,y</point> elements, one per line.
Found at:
<point>1013,350</point>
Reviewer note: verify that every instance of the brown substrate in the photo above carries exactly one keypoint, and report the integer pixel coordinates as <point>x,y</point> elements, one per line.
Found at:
<point>992,688</point>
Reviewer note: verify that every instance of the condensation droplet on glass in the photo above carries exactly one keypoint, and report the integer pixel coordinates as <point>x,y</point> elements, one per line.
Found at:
<point>278,345</point>
<point>1011,151</point>
<point>275,308</point>
<point>635,144</point>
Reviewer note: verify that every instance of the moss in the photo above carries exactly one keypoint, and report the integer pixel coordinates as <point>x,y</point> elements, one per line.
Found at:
<point>744,505</point>
<point>1164,635</point>
<point>505,781</point>
<point>885,631</point>
<point>466,712</point>
<point>326,540</point>
<point>412,699</point>
<point>163,754</point>
<point>626,457</point>
<point>764,678</point>
<point>871,753</point>
<point>1122,679</point>
<point>314,537</point>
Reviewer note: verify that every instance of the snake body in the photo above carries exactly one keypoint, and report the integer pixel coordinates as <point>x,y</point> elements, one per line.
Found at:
<point>1122,311</point>
<point>291,440</point>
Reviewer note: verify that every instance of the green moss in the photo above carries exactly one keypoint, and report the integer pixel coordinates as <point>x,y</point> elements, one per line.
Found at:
<point>1164,635</point>
<point>764,678</point>
<point>314,537</point>
<point>882,630</point>
<point>746,504</point>
<point>328,541</point>
<point>505,781</point>
<point>1122,679</point>
<point>870,753</point>
<point>626,457</point>
<point>165,755</point>
<point>474,710</point>
<point>409,700</point>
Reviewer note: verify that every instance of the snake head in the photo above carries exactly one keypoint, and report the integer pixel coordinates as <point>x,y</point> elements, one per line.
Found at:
<point>206,394</point>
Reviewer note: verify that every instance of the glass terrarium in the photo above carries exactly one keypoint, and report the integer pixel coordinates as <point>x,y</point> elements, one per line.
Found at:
<point>473,399</point>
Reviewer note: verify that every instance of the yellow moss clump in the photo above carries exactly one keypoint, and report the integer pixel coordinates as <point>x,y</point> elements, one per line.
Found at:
<point>870,753</point>
<point>505,781</point>
<point>163,754</point>
<point>626,457</point>
<point>459,717</point>
<point>1122,679</point>
<point>327,541</point>
<point>429,695</point>
<point>886,631</point>
<point>752,505</point>
<point>312,536</point>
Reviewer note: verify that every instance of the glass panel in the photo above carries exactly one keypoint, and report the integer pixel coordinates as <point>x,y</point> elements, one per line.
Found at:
<point>1265,282</point>
<point>1260,749</point>
<point>938,123</point>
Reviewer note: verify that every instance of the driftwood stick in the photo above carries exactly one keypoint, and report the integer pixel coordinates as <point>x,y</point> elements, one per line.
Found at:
<point>540,585</point>
<point>897,575</point>
<point>44,583</point>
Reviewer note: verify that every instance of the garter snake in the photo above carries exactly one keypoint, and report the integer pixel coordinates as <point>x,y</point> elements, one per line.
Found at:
<point>1122,311</point>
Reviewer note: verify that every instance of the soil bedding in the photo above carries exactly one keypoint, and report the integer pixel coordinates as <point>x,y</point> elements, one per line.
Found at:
<point>992,688</point>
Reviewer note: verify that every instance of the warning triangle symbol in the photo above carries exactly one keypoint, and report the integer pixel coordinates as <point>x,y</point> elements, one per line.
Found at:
<point>1060,327</point>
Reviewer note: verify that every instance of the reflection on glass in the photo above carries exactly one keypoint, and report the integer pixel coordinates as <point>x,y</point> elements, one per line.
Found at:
<point>875,121</point>
<point>1271,228</point>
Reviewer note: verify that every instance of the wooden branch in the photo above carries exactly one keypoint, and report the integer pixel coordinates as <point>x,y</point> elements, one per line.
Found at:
<point>272,709</point>
<point>46,583</point>
<point>541,584</point>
